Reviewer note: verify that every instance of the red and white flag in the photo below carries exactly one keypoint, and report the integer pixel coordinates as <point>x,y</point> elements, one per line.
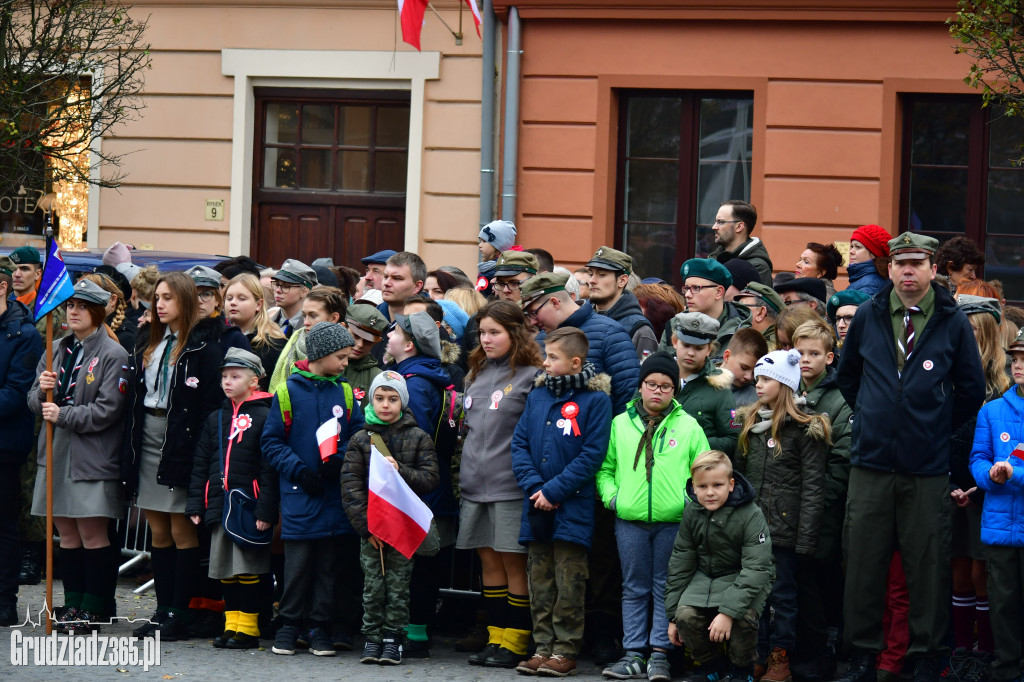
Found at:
<point>411,12</point>
<point>394,513</point>
<point>327,438</point>
<point>476,15</point>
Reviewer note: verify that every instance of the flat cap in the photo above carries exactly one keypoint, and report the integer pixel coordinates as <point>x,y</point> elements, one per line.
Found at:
<point>422,329</point>
<point>972,305</point>
<point>514,262</point>
<point>608,258</point>
<point>912,245</point>
<point>697,329</point>
<point>706,268</point>
<point>90,292</point>
<point>295,272</point>
<point>203,276</point>
<point>541,285</point>
<point>366,322</point>
<point>766,293</point>
<point>379,257</point>
<point>237,357</point>
<point>805,285</point>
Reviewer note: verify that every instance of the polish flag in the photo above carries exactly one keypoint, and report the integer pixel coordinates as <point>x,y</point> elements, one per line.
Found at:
<point>476,15</point>
<point>327,438</point>
<point>394,513</point>
<point>411,12</point>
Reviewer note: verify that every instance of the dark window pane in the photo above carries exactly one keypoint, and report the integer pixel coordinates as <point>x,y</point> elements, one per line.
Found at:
<point>354,128</point>
<point>652,248</point>
<point>1004,260</point>
<point>1005,201</point>
<point>279,169</point>
<point>354,168</point>
<point>940,133</point>
<point>282,123</point>
<point>652,190</point>
<point>317,124</point>
<point>938,200</point>
<point>726,129</point>
<point>389,171</point>
<point>393,127</point>
<point>316,168</point>
<point>653,127</point>
<point>705,241</point>
<point>1006,140</point>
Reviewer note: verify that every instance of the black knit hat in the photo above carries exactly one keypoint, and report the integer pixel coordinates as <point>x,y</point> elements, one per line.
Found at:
<point>661,363</point>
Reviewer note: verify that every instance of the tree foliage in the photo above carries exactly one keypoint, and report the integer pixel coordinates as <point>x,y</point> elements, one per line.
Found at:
<point>71,71</point>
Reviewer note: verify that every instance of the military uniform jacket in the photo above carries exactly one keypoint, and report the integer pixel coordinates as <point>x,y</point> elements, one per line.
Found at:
<point>708,398</point>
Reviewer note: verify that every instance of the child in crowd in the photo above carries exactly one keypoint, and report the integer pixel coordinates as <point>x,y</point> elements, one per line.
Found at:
<point>704,391</point>
<point>746,347</point>
<point>783,452</point>
<point>228,457</point>
<point>558,446</point>
<point>652,445</point>
<point>304,439</point>
<point>322,304</point>
<point>367,325</point>
<point>391,428</point>
<point>720,572</point>
<point>998,467</point>
<point>820,577</point>
<point>245,308</point>
<point>841,308</point>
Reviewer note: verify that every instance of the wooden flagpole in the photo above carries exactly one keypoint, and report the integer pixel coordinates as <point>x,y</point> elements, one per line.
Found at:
<point>49,446</point>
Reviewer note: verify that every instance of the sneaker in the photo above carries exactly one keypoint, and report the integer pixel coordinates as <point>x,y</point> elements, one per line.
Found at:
<point>284,640</point>
<point>778,667</point>
<point>242,641</point>
<point>862,668</point>
<point>391,651</point>
<point>632,666</point>
<point>558,666</point>
<point>658,669</point>
<point>479,657</point>
<point>320,643</point>
<point>173,628</point>
<point>371,652</point>
<point>529,666</point>
<point>503,658</point>
<point>147,629</point>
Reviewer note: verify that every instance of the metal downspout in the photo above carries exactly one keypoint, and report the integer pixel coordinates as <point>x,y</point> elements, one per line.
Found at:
<point>487,117</point>
<point>511,140</point>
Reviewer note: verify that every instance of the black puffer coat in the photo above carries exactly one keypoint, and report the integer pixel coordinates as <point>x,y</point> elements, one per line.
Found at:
<point>246,467</point>
<point>411,447</point>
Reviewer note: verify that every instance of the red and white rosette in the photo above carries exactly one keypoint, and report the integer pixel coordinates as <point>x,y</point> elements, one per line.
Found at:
<point>570,411</point>
<point>242,424</point>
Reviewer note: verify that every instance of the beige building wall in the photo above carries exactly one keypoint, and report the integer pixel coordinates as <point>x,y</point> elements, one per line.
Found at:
<point>186,145</point>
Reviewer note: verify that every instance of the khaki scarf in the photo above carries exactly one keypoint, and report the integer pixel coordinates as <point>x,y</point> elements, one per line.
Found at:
<point>646,444</point>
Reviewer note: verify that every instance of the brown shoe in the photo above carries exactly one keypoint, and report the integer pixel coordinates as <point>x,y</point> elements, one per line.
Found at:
<point>530,665</point>
<point>558,666</point>
<point>778,667</point>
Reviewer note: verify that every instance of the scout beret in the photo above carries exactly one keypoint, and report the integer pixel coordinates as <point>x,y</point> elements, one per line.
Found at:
<point>25,255</point>
<point>842,298</point>
<point>706,268</point>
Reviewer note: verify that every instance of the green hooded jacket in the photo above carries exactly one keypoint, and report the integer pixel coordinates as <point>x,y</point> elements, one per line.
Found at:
<point>708,398</point>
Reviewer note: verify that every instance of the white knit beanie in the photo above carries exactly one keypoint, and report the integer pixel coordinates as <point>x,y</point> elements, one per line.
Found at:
<point>781,365</point>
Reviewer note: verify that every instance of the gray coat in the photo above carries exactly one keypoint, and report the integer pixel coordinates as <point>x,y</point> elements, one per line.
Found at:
<point>94,419</point>
<point>486,468</point>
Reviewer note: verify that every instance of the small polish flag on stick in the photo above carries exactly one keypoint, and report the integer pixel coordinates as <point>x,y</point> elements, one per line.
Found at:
<point>327,438</point>
<point>394,513</point>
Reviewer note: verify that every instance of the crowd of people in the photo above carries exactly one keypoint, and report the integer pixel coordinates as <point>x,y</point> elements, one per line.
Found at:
<point>744,480</point>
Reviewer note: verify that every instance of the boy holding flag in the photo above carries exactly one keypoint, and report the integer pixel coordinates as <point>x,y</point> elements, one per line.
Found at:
<point>384,510</point>
<point>304,439</point>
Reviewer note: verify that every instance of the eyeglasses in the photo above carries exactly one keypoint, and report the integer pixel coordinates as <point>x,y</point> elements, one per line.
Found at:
<point>511,285</point>
<point>205,296</point>
<point>283,287</point>
<point>532,314</point>
<point>845,319</point>
<point>726,222</point>
<point>658,388</point>
<point>696,288</point>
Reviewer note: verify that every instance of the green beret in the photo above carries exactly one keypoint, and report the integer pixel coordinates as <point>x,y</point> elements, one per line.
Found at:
<point>25,255</point>
<point>706,268</point>
<point>841,298</point>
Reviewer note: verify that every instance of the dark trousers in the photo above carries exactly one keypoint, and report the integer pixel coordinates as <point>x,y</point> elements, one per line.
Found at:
<point>1006,609</point>
<point>885,511</point>
<point>10,501</point>
<point>348,586</point>
<point>309,573</point>
<point>819,600</point>
<point>604,591</point>
<point>779,630</point>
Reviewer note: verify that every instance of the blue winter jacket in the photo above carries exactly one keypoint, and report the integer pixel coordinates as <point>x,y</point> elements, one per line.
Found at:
<point>20,350</point>
<point>864,277</point>
<point>1000,430</point>
<point>304,517</point>
<point>611,352</point>
<point>562,465</point>
<point>426,381</point>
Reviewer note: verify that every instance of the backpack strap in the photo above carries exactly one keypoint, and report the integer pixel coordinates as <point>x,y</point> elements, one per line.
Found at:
<point>347,388</point>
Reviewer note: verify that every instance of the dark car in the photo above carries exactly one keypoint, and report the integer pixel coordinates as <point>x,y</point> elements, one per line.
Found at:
<point>86,261</point>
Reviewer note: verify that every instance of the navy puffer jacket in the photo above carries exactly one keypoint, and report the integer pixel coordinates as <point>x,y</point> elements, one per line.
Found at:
<point>20,350</point>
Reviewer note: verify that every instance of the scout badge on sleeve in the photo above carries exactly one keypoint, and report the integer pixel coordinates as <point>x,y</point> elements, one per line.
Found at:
<point>569,413</point>
<point>90,377</point>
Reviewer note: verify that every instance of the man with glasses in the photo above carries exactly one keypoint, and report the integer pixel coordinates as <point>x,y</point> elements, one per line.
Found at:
<point>764,304</point>
<point>704,283</point>
<point>733,224</point>
<point>513,268</point>
<point>291,283</point>
<point>609,274</point>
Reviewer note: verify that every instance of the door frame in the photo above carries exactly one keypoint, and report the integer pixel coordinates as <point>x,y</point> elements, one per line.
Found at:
<point>330,69</point>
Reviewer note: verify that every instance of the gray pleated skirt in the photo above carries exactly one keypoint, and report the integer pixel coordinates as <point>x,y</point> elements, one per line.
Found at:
<point>228,559</point>
<point>152,495</point>
<point>74,499</point>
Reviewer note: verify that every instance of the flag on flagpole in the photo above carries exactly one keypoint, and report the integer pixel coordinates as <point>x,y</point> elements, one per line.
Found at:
<point>327,438</point>
<point>55,286</point>
<point>394,513</point>
<point>411,12</point>
<point>476,15</point>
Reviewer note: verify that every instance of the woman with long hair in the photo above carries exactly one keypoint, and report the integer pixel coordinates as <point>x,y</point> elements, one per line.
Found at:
<point>88,378</point>
<point>211,309</point>
<point>501,373</point>
<point>176,387</point>
<point>245,308</point>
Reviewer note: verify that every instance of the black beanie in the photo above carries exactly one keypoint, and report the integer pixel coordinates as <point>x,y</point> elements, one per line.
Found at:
<point>661,363</point>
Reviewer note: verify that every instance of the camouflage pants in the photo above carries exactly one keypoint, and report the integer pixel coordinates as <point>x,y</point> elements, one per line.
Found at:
<point>558,585</point>
<point>385,593</point>
<point>30,528</point>
<point>693,622</point>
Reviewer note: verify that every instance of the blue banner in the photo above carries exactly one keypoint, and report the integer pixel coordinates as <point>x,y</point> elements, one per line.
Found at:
<point>55,287</point>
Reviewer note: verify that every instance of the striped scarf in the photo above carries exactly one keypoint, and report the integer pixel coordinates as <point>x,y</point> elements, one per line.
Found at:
<point>68,375</point>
